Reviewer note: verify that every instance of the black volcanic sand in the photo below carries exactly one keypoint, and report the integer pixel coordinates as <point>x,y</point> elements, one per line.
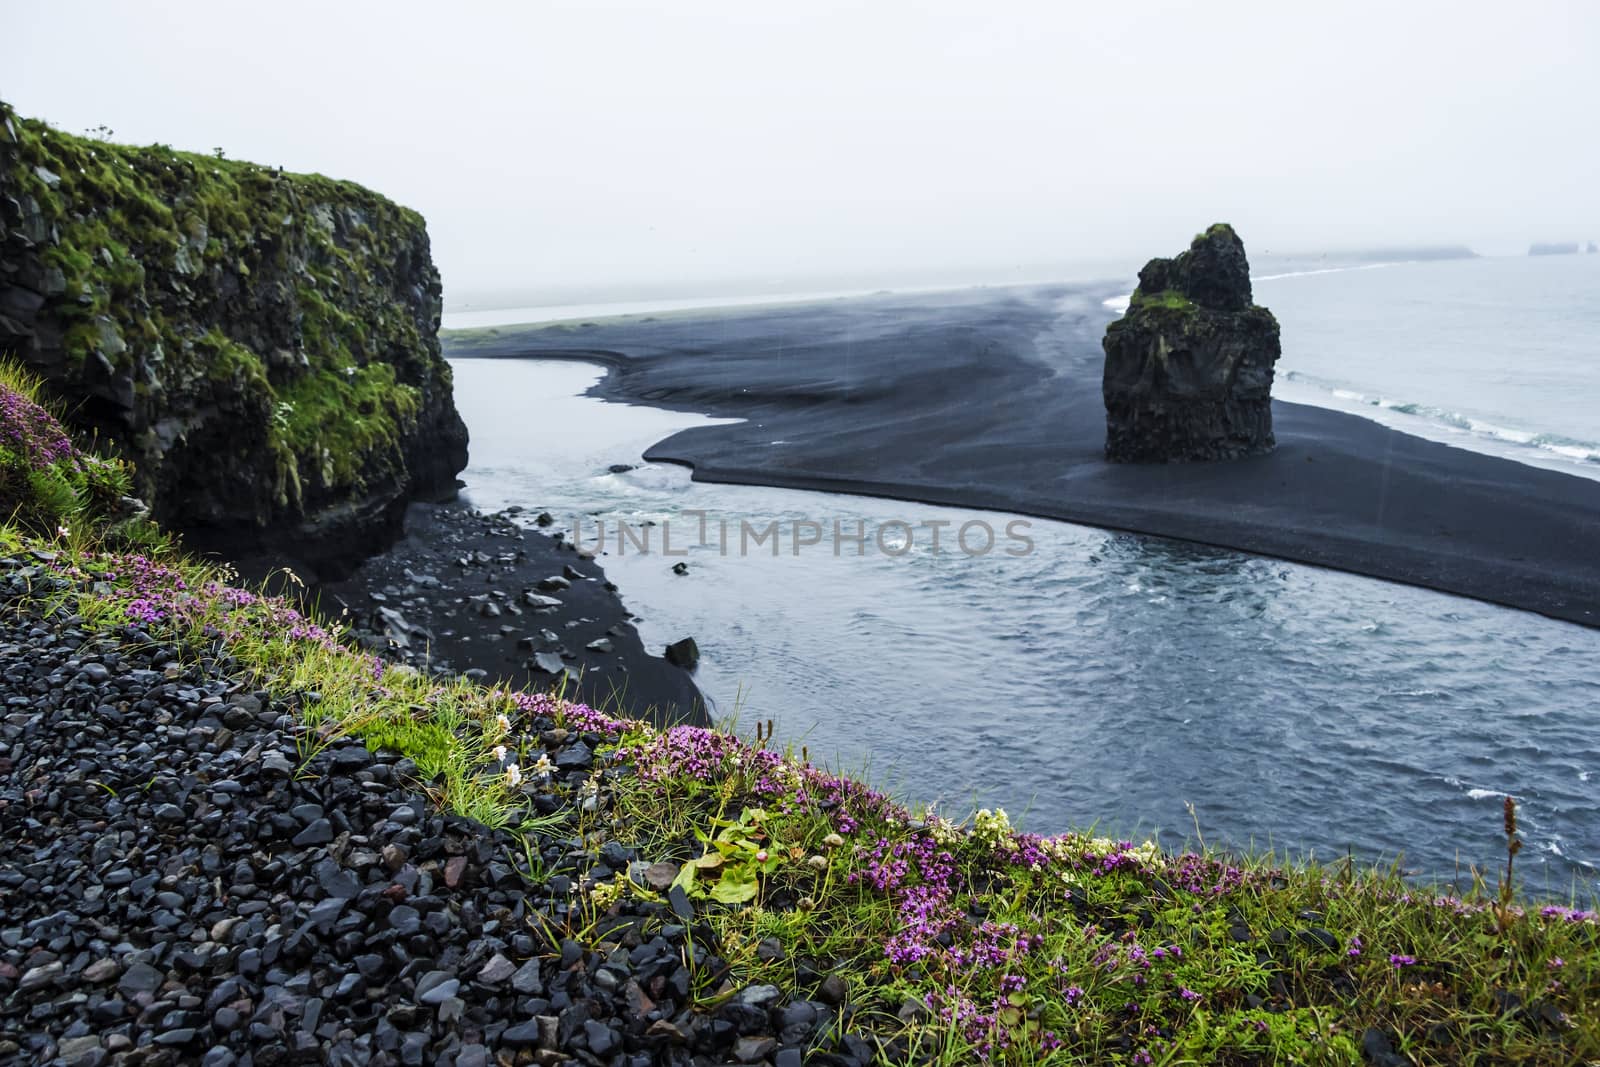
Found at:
<point>991,399</point>
<point>480,595</point>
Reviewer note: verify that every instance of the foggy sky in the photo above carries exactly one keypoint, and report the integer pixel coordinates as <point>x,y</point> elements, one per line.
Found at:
<point>567,145</point>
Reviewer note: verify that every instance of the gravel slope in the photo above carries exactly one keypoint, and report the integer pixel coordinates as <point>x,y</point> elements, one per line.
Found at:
<point>178,884</point>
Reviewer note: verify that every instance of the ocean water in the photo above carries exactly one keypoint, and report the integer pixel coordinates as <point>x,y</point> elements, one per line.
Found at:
<point>1499,355</point>
<point>1112,680</point>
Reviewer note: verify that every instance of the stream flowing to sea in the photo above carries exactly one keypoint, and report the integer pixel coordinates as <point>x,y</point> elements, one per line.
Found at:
<point>1109,679</point>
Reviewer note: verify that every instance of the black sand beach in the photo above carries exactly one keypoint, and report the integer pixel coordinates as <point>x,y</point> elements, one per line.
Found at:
<point>990,398</point>
<point>479,594</point>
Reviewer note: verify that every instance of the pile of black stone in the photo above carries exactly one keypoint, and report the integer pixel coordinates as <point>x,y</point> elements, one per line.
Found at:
<point>482,595</point>
<point>187,875</point>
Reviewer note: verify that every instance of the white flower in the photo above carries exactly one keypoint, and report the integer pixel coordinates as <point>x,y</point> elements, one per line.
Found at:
<point>499,753</point>
<point>1146,853</point>
<point>513,776</point>
<point>944,831</point>
<point>502,723</point>
<point>543,767</point>
<point>833,840</point>
<point>991,827</point>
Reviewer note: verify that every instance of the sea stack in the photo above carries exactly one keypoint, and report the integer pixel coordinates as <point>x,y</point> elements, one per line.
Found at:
<point>1188,372</point>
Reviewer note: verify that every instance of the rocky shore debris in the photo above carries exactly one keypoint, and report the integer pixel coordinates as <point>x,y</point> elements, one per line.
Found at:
<point>1188,369</point>
<point>190,876</point>
<point>483,595</point>
<point>684,653</point>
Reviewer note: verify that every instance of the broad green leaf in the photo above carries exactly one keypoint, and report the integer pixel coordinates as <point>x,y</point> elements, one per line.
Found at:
<point>729,891</point>
<point>685,878</point>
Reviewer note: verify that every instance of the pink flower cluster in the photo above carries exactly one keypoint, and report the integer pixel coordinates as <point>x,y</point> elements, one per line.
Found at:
<point>1204,876</point>
<point>151,592</point>
<point>1125,958</point>
<point>709,755</point>
<point>985,1026</point>
<point>921,879</point>
<point>580,717</point>
<point>33,433</point>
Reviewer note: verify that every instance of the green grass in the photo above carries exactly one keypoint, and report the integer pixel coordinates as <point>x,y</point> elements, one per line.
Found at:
<point>959,942</point>
<point>48,484</point>
<point>1216,229</point>
<point>1172,299</point>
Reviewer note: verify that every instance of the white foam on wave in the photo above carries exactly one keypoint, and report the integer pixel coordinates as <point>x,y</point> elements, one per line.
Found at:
<point>1321,270</point>
<point>1447,425</point>
<point>1484,794</point>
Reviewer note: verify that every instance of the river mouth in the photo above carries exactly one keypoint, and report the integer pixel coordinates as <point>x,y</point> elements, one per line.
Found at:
<point>1100,679</point>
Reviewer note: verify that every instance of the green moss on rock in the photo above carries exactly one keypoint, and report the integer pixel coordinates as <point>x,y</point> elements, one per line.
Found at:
<point>261,345</point>
<point>1172,299</point>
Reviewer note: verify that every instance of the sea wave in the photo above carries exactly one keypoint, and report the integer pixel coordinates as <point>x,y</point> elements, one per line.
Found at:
<point>1323,270</point>
<point>1568,448</point>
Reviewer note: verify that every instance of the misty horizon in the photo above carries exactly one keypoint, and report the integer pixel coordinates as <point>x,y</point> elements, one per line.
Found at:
<point>563,150</point>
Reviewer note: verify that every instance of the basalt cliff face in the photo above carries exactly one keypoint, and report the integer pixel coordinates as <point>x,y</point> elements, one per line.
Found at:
<point>262,346</point>
<point>1188,372</point>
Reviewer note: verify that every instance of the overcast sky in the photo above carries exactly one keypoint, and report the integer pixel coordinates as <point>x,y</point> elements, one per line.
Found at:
<point>570,145</point>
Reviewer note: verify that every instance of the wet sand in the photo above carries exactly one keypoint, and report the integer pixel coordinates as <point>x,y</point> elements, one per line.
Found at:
<point>990,398</point>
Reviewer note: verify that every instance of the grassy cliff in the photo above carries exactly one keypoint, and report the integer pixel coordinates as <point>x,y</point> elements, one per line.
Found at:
<point>936,940</point>
<point>261,346</point>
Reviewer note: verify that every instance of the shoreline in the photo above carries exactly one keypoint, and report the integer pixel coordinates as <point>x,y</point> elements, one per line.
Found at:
<point>877,397</point>
<point>480,595</point>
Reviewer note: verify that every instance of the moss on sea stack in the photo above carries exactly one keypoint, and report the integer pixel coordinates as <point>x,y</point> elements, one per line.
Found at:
<point>1188,372</point>
<point>262,346</point>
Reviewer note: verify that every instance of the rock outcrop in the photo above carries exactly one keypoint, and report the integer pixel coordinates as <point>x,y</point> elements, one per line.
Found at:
<point>1188,373</point>
<point>1554,248</point>
<point>262,346</point>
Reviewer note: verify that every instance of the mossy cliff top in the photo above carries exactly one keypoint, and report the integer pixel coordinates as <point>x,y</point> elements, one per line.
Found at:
<point>262,346</point>
<point>1212,273</point>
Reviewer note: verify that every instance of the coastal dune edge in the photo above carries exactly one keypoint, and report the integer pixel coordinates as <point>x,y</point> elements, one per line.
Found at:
<point>990,399</point>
